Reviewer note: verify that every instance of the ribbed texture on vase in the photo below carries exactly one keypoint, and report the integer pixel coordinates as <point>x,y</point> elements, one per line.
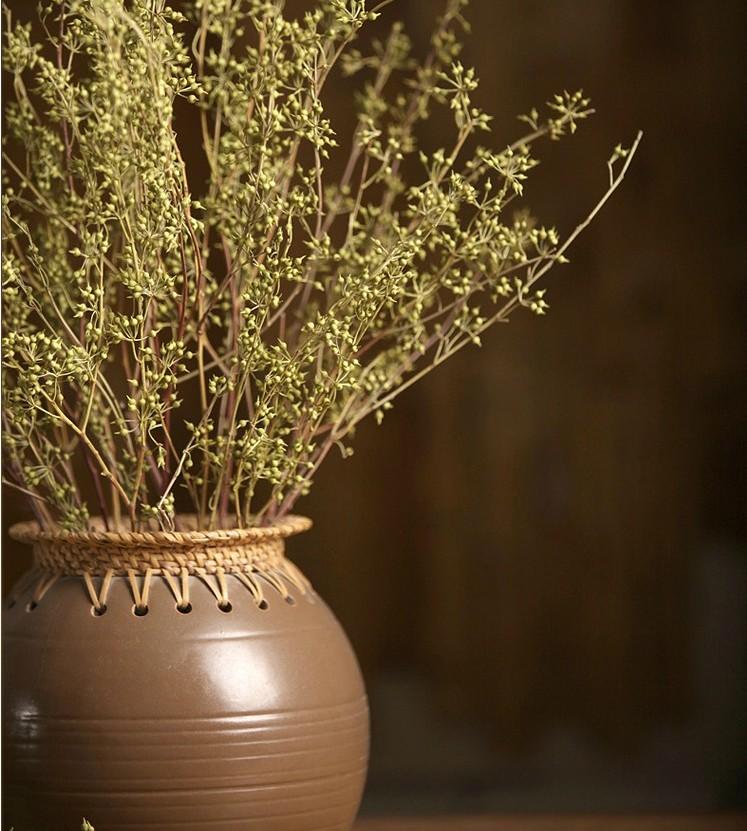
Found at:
<point>251,719</point>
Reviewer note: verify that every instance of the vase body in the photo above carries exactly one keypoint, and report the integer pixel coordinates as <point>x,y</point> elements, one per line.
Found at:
<point>222,715</point>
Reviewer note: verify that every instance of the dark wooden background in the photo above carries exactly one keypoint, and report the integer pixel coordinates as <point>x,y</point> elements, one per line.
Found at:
<point>540,555</point>
<point>598,822</point>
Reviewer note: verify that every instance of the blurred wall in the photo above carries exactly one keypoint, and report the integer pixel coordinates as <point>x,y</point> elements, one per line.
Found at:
<point>540,555</point>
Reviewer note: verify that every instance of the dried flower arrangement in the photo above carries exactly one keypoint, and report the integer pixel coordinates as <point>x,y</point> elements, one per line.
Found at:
<point>288,306</point>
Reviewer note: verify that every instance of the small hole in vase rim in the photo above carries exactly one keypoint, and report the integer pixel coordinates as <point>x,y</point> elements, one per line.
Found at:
<point>185,609</point>
<point>290,600</point>
<point>140,611</point>
<point>31,606</point>
<point>98,611</point>
<point>225,607</point>
<point>263,605</point>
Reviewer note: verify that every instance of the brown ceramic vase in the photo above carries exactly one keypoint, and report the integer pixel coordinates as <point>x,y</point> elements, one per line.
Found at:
<point>177,681</point>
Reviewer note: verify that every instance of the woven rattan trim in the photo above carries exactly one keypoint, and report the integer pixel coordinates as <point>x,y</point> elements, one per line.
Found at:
<point>199,552</point>
<point>186,534</point>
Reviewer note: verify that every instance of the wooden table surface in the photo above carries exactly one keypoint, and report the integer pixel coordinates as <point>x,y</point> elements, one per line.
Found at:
<point>566,822</point>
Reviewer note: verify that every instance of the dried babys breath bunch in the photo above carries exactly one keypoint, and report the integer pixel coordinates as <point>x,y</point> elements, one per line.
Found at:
<point>279,303</point>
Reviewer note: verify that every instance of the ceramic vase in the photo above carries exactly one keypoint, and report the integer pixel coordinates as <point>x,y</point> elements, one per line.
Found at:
<point>177,681</point>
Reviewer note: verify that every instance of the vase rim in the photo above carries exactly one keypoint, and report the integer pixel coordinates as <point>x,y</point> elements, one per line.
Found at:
<point>186,533</point>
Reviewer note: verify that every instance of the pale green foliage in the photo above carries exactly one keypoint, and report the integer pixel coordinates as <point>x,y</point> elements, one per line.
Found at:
<point>289,306</point>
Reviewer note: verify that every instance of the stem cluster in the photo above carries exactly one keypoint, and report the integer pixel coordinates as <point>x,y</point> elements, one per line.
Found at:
<point>283,306</point>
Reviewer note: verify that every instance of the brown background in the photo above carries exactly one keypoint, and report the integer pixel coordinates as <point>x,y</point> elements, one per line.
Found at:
<point>540,555</point>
